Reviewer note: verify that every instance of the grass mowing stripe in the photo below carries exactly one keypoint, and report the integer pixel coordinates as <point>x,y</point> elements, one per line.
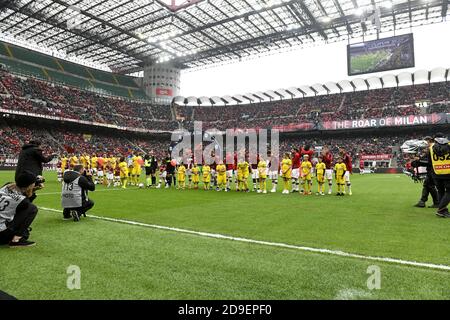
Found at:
<point>272,244</point>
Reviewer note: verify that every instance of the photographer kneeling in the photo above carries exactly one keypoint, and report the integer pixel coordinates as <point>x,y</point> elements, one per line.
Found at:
<point>74,197</point>
<point>17,211</point>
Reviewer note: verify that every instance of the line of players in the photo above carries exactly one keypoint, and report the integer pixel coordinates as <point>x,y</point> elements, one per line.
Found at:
<point>296,169</point>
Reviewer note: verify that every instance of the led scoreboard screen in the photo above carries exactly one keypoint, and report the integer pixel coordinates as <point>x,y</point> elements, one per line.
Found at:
<point>381,55</point>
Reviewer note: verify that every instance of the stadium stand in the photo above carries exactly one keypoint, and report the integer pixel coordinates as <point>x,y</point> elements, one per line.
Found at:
<point>401,101</point>
<point>30,63</point>
<point>48,99</point>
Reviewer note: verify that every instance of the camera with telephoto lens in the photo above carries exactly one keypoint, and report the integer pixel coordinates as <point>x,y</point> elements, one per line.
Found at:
<point>39,181</point>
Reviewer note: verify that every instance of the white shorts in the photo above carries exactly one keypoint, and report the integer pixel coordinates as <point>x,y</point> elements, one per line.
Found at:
<point>329,174</point>
<point>163,174</point>
<point>100,173</point>
<point>213,173</point>
<point>94,170</point>
<point>110,176</point>
<point>295,173</point>
<point>58,170</point>
<point>273,175</point>
<point>255,174</point>
<point>188,172</point>
<point>347,176</point>
<point>229,173</point>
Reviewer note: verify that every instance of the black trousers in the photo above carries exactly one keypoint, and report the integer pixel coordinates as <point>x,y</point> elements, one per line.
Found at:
<point>87,205</point>
<point>20,225</point>
<point>169,178</point>
<point>429,188</point>
<point>443,187</point>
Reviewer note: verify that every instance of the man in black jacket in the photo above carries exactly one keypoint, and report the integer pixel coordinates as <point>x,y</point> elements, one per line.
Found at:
<point>429,187</point>
<point>31,159</point>
<point>74,197</point>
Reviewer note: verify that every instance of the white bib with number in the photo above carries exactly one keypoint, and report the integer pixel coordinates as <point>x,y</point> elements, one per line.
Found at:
<point>9,200</point>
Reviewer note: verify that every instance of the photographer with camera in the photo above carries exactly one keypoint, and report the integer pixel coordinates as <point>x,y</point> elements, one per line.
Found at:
<point>439,157</point>
<point>31,159</point>
<point>74,197</point>
<point>429,187</point>
<point>17,211</point>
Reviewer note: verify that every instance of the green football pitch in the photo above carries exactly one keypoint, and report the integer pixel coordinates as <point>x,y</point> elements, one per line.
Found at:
<point>367,62</point>
<point>119,260</point>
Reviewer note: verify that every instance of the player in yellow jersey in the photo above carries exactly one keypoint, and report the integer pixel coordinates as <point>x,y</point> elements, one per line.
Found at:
<point>286,172</point>
<point>64,161</point>
<point>306,175</point>
<point>221,170</point>
<point>123,172</point>
<point>243,175</point>
<point>339,172</point>
<point>73,161</point>
<point>195,175</point>
<point>113,161</point>
<point>262,174</point>
<point>94,165</point>
<point>87,158</point>
<point>82,160</point>
<point>181,176</point>
<point>320,176</point>
<point>137,168</point>
<point>206,172</point>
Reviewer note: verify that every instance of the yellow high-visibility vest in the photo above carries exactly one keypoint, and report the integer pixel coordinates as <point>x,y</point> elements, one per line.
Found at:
<point>441,164</point>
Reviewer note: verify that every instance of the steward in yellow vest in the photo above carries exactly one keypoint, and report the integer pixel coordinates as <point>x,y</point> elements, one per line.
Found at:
<point>440,162</point>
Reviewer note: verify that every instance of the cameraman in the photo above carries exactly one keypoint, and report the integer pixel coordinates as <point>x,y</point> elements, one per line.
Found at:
<point>74,196</point>
<point>429,187</point>
<point>31,158</point>
<point>17,211</point>
<point>439,157</point>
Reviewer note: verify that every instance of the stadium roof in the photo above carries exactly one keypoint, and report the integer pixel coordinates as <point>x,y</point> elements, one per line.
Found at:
<point>127,34</point>
<point>386,81</point>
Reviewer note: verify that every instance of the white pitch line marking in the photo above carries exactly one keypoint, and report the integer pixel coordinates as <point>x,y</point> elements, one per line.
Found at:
<point>271,244</point>
<point>59,192</point>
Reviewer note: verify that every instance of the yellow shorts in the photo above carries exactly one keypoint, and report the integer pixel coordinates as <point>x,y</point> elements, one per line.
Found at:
<point>306,177</point>
<point>181,178</point>
<point>195,178</point>
<point>320,178</point>
<point>287,175</point>
<point>136,171</point>
<point>207,178</point>
<point>340,180</point>
<point>221,179</point>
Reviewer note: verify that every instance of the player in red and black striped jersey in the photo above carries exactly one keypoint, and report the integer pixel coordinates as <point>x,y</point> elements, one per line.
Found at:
<point>348,164</point>
<point>230,161</point>
<point>255,173</point>
<point>296,161</point>
<point>327,158</point>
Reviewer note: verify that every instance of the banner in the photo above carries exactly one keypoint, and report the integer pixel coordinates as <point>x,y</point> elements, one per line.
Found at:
<point>376,157</point>
<point>435,118</point>
<point>163,92</point>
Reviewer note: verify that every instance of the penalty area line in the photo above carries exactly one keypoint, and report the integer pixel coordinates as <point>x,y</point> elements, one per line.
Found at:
<point>270,244</point>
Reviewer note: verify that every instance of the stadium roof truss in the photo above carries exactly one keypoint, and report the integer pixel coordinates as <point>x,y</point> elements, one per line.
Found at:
<point>125,35</point>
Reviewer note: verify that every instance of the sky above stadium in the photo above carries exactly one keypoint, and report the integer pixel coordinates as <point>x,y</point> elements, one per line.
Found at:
<point>308,66</point>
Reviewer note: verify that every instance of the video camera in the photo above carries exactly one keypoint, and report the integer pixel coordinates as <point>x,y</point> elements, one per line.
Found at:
<point>417,151</point>
<point>39,181</point>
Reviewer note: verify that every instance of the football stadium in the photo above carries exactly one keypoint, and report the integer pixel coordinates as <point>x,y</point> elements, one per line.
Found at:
<point>224,150</point>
